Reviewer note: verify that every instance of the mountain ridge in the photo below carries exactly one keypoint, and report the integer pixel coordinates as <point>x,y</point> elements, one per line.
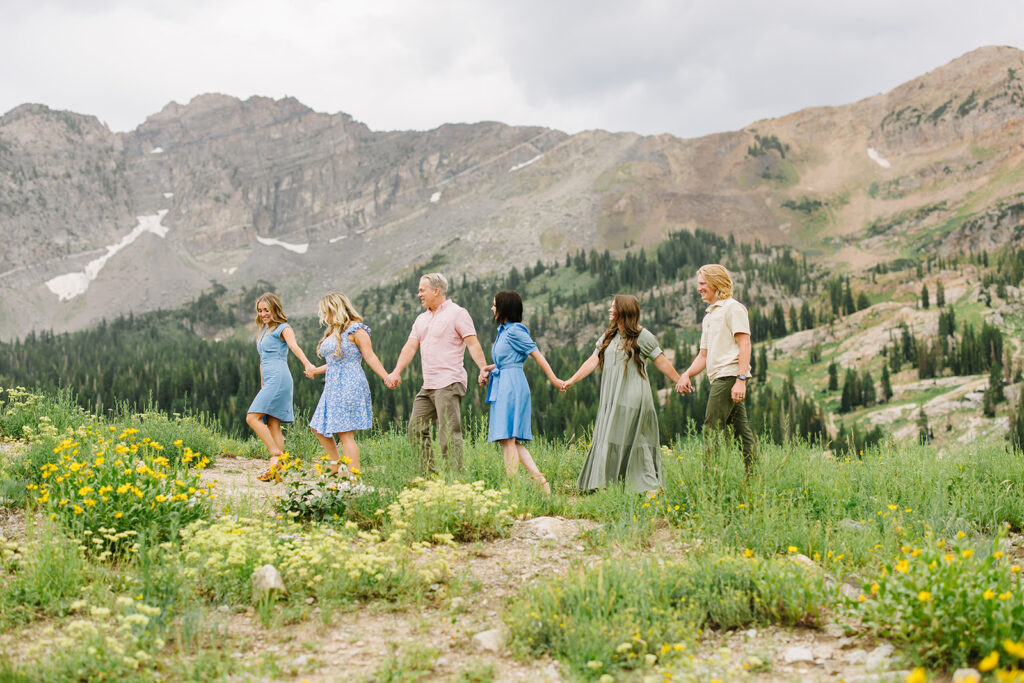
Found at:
<point>270,189</point>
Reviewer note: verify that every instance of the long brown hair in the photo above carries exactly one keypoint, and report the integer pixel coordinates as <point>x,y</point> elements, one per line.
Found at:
<point>277,315</point>
<point>625,325</point>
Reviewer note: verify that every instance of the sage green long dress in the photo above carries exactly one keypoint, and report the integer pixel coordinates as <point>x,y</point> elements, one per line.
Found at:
<point>626,445</point>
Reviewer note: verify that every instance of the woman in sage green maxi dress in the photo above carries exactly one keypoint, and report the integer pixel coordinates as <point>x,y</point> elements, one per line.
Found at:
<point>626,445</point>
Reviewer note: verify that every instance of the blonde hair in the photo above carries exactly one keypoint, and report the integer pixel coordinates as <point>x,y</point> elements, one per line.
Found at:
<point>277,316</point>
<point>718,278</point>
<point>337,313</point>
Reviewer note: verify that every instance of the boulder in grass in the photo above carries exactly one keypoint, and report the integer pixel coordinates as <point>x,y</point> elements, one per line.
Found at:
<point>267,581</point>
<point>492,640</point>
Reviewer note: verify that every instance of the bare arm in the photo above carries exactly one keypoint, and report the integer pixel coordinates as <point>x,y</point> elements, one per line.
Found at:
<point>739,389</point>
<point>288,334</point>
<point>589,365</point>
<point>475,351</point>
<point>683,385</point>
<point>405,357</point>
<point>546,367</point>
<point>362,340</point>
<point>663,364</point>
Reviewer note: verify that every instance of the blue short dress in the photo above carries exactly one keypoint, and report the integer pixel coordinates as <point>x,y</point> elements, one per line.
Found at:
<point>275,398</point>
<point>345,402</point>
<point>507,390</point>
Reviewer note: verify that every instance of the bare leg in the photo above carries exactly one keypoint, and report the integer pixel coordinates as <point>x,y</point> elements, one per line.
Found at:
<point>531,467</point>
<point>274,426</point>
<point>351,450</point>
<point>255,422</point>
<point>508,448</point>
<point>331,449</point>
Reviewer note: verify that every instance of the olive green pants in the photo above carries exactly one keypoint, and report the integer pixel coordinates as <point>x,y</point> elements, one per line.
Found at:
<point>442,406</point>
<point>722,412</point>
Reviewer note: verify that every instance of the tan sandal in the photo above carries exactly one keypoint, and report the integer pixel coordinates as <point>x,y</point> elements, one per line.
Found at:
<point>269,475</point>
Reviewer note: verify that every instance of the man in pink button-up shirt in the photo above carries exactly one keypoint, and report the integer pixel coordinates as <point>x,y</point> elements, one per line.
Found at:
<point>442,334</point>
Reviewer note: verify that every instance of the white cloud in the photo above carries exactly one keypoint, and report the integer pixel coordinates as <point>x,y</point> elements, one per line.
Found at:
<point>650,66</point>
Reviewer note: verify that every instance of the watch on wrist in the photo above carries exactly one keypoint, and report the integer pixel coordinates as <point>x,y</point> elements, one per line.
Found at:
<point>743,377</point>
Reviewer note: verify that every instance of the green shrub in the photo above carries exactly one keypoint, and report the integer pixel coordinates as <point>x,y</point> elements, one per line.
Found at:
<point>326,563</point>
<point>101,643</point>
<point>465,512</point>
<point>945,604</point>
<point>26,413</point>
<point>41,576</point>
<point>112,486</point>
<point>322,497</point>
<point>629,614</point>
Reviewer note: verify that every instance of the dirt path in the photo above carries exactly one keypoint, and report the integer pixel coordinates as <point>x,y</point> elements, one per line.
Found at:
<point>355,645</point>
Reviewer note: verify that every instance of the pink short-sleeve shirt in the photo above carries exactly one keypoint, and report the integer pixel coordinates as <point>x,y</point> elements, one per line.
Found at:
<point>442,337</point>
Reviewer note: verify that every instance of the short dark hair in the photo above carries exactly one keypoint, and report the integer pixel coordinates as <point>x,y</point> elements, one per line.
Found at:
<point>508,307</point>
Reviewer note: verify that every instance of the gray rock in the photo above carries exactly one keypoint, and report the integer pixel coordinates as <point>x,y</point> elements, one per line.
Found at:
<point>855,657</point>
<point>805,562</point>
<point>457,604</point>
<point>299,663</point>
<point>491,640</point>
<point>851,590</point>
<point>961,675</point>
<point>835,630</point>
<point>546,529</point>
<point>851,525</point>
<point>878,658</point>
<point>267,580</point>
<point>795,654</point>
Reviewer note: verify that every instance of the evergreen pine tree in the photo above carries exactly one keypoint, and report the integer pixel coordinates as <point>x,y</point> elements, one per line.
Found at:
<point>925,302</point>
<point>886,384</point>
<point>940,294</point>
<point>924,432</point>
<point>761,366</point>
<point>833,376</point>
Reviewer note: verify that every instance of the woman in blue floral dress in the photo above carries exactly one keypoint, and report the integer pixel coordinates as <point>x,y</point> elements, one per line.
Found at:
<point>344,405</point>
<point>273,404</point>
<point>507,390</point>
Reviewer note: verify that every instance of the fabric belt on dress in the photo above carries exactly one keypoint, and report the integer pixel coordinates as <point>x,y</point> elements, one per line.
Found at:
<point>495,379</point>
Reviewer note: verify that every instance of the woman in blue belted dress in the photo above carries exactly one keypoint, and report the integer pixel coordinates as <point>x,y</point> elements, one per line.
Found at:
<point>273,404</point>
<point>507,390</point>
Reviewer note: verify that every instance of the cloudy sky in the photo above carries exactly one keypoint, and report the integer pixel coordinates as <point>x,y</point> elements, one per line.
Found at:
<point>653,66</point>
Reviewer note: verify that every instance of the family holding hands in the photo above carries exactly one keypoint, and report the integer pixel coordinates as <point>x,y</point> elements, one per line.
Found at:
<point>625,445</point>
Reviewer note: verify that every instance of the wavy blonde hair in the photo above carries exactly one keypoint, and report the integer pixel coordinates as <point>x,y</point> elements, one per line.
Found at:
<point>277,316</point>
<point>337,313</point>
<point>719,279</point>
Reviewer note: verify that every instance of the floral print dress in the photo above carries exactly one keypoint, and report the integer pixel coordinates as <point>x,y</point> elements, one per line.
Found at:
<point>345,402</point>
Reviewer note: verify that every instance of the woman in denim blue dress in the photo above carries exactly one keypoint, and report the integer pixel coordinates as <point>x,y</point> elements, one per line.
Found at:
<point>273,403</point>
<point>507,390</point>
<point>344,405</point>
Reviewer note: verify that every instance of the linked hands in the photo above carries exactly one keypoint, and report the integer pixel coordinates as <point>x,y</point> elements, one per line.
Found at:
<point>684,386</point>
<point>485,375</point>
<point>392,380</point>
<point>311,370</point>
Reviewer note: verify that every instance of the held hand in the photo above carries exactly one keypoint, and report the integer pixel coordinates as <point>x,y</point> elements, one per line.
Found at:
<point>483,377</point>
<point>565,384</point>
<point>310,371</point>
<point>684,386</point>
<point>739,391</point>
<point>392,380</point>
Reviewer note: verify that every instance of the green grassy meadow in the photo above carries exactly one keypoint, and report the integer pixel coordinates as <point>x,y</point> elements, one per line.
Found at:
<point>125,554</point>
